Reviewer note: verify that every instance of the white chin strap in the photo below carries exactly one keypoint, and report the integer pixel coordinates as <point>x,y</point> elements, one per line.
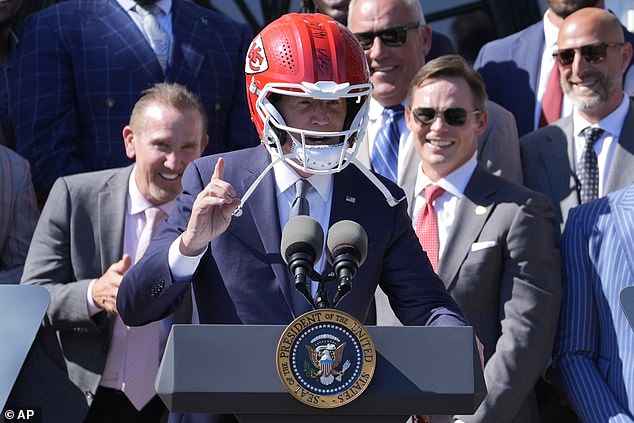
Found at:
<point>391,201</point>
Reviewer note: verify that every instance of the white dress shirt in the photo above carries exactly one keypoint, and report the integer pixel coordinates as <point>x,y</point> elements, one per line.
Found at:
<point>446,204</point>
<point>319,199</point>
<point>605,147</point>
<point>136,204</point>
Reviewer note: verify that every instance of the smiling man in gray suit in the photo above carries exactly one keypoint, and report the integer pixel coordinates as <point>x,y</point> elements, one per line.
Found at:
<point>496,242</point>
<point>551,156</point>
<point>88,236</point>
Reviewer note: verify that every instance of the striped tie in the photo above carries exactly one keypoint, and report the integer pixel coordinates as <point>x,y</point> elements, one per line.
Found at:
<point>384,156</point>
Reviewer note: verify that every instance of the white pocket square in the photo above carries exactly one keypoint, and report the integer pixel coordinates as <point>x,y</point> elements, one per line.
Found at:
<point>477,246</point>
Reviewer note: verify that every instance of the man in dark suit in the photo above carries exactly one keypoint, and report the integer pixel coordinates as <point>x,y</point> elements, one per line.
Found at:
<point>310,123</point>
<point>487,228</point>
<point>82,65</point>
<point>88,236</point>
<point>595,348</point>
<point>516,68</point>
<point>551,156</point>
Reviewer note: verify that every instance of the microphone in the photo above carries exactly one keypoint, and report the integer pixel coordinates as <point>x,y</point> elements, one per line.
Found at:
<point>347,249</point>
<point>301,246</point>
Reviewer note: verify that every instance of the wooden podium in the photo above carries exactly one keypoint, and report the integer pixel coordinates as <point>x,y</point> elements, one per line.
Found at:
<point>230,369</point>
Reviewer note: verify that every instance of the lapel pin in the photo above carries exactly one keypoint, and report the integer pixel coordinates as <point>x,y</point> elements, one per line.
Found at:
<point>204,20</point>
<point>480,210</point>
<point>350,199</point>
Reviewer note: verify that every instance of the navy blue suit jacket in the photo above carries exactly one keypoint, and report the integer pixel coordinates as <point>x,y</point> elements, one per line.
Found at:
<point>242,278</point>
<point>82,65</point>
<point>510,67</point>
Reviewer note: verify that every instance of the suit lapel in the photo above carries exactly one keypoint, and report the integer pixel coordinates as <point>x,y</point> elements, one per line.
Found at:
<point>189,30</point>
<point>111,211</point>
<point>473,211</point>
<point>619,177</point>
<point>623,210</point>
<point>261,209</point>
<point>127,45</point>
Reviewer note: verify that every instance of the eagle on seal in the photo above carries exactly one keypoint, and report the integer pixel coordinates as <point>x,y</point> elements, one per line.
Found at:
<point>326,358</point>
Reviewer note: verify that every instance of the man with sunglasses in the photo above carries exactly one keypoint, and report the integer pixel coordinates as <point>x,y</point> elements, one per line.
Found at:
<point>552,156</point>
<point>391,32</point>
<point>496,241</point>
<point>517,68</point>
<point>592,56</point>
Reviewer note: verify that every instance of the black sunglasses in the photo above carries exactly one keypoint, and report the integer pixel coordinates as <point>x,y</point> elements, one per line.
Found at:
<point>454,116</point>
<point>391,37</point>
<point>591,53</point>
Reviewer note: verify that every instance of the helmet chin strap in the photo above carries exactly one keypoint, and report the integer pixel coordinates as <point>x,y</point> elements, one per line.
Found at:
<point>391,200</point>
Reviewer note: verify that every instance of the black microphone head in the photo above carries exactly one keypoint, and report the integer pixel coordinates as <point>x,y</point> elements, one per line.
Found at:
<point>349,237</point>
<point>302,234</point>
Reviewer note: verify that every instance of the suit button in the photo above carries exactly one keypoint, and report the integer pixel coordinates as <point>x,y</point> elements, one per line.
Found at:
<point>110,102</point>
<point>217,107</point>
<point>104,348</point>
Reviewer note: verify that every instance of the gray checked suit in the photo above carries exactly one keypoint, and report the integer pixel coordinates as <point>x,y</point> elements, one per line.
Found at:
<point>502,265</point>
<point>79,235</point>
<point>548,157</point>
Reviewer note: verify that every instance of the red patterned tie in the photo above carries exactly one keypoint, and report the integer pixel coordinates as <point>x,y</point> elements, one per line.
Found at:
<point>553,96</point>
<point>426,226</point>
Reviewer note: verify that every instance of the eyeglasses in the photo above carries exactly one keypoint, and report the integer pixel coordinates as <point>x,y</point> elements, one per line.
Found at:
<point>591,53</point>
<point>391,37</point>
<point>454,116</point>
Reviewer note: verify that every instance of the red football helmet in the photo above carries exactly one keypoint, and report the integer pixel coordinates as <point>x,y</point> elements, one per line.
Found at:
<point>308,55</point>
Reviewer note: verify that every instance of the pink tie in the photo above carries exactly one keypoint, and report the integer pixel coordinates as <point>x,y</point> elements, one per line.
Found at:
<point>142,352</point>
<point>553,96</point>
<point>426,226</point>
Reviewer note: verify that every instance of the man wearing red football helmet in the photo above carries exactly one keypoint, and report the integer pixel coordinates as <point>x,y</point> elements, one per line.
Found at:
<point>308,87</point>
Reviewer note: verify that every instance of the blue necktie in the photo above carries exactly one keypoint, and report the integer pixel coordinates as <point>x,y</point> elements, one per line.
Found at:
<point>159,39</point>
<point>384,157</point>
<point>588,171</point>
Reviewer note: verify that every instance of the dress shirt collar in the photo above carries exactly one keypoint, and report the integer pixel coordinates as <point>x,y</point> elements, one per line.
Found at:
<point>454,183</point>
<point>375,110</point>
<point>137,203</point>
<point>612,123</point>
<point>164,5</point>
<point>551,32</point>
<point>285,177</point>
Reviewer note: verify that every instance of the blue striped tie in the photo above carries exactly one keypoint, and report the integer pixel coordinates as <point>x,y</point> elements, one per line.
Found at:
<point>384,157</point>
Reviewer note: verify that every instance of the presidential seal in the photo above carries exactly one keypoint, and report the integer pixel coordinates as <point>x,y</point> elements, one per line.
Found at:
<point>325,358</point>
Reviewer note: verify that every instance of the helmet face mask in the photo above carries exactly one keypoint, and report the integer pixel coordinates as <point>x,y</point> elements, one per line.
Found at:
<point>333,67</point>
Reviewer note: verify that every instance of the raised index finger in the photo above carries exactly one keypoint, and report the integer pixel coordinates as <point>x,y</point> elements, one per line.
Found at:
<point>219,170</point>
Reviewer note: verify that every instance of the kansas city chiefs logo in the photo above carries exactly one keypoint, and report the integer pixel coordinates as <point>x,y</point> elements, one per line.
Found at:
<point>256,57</point>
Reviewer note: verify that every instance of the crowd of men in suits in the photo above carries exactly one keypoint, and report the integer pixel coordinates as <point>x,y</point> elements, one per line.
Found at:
<point>518,217</point>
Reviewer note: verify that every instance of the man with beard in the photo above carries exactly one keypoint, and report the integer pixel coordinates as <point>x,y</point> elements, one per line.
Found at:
<point>517,68</point>
<point>591,56</point>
